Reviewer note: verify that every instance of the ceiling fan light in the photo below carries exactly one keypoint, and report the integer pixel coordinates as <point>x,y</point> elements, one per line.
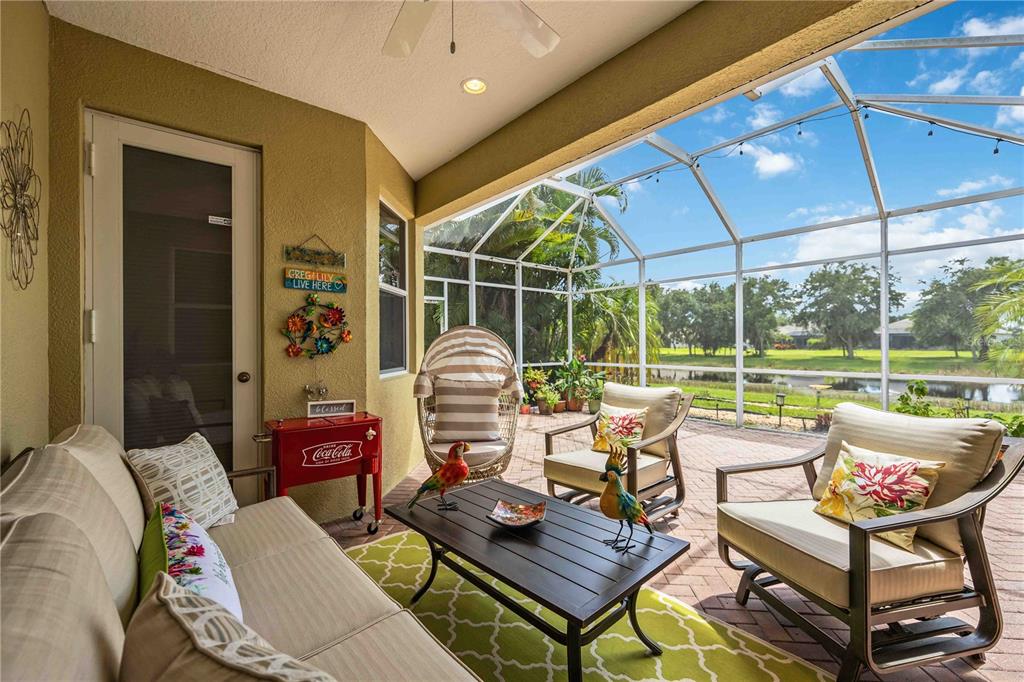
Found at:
<point>474,86</point>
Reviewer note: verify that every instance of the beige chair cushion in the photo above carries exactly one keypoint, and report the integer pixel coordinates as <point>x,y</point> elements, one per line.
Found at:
<point>662,405</point>
<point>466,410</point>
<point>264,529</point>
<point>372,654</point>
<point>968,446</point>
<point>58,619</point>
<point>58,483</point>
<point>309,597</point>
<point>479,454</point>
<point>177,634</point>
<point>103,456</point>
<point>788,539</point>
<point>582,469</point>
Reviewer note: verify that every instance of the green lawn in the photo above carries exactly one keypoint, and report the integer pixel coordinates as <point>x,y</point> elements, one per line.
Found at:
<point>900,361</point>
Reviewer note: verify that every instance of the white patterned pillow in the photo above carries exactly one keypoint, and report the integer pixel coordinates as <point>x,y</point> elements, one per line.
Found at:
<point>175,634</point>
<point>466,410</point>
<point>187,476</point>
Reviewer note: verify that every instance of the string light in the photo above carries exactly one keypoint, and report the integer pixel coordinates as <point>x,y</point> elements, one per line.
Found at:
<point>741,149</point>
<point>931,128</point>
<point>996,150</point>
<point>799,129</point>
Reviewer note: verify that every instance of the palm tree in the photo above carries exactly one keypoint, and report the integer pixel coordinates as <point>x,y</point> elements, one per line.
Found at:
<point>1002,312</point>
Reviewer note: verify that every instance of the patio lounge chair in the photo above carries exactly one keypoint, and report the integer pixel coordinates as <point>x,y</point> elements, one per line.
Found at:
<point>653,464</point>
<point>471,355</point>
<point>867,582</point>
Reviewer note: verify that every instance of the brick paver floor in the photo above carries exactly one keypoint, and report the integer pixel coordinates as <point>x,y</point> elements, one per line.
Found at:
<point>701,579</point>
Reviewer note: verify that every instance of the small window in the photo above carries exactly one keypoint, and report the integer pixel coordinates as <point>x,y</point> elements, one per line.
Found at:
<point>394,297</point>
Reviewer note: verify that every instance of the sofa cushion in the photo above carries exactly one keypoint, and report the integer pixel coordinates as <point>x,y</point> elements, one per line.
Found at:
<point>265,529</point>
<point>103,456</point>
<point>308,597</point>
<point>58,619</point>
<point>582,469</point>
<point>968,446</point>
<point>466,410</point>
<point>662,405</point>
<point>813,552</point>
<point>58,483</point>
<point>372,654</point>
<point>178,635</point>
<point>187,475</point>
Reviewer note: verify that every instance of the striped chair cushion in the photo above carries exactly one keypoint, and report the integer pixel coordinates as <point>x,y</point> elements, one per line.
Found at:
<point>466,410</point>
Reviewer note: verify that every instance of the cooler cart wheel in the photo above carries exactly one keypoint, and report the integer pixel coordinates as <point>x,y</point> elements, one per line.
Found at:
<point>373,527</point>
<point>357,514</point>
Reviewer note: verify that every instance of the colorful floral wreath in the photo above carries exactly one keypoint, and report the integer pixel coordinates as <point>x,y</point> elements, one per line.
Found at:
<point>315,329</point>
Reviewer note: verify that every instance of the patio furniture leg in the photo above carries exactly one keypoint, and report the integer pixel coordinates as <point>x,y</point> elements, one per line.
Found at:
<point>574,652</point>
<point>743,590</point>
<point>648,642</point>
<point>435,555</point>
<point>849,669</point>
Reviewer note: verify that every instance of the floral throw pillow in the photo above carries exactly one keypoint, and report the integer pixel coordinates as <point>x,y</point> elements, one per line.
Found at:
<point>618,428</point>
<point>866,485</point>
<point>175,544</point>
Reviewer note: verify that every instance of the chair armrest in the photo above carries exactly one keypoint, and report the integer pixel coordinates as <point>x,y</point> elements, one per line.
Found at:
<point>805,460</point>
<point>549,436</point>
<point>270,471</point>
<point>668,432</point>
<point>1004,471</point>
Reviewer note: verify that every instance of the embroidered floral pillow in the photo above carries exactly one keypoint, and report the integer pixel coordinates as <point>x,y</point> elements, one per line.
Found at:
<point>618,428</point>
<point>174,543</point>
<point>867,485</point>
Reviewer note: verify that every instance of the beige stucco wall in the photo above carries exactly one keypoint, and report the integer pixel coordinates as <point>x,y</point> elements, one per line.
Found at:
<point>315,178</point>
<point>24,57</point>
<point>705,53</point>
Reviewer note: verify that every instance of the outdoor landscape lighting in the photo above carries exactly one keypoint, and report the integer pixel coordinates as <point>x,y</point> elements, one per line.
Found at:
<point>780,400</point>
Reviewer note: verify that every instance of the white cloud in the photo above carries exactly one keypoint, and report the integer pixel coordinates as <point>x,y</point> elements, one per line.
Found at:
<point>769,163</point>
<point>764,115</point>
<point>949,83</point>
<point>823,213</point>
<point>635,188</point>
<point>810,82</point>
<point>920,78</point>
<point>680,211</point>
<point>1018,63</point>
<point>986,82</point>
<point>1010,116</point>
<point>716,114</point>
<point>973,186</point>
<point>977,26</point>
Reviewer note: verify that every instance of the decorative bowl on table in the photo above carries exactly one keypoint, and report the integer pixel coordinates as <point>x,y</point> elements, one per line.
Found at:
<point>512,515</point>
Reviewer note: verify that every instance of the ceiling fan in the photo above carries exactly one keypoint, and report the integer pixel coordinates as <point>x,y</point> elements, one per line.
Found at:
<point>514,16</point>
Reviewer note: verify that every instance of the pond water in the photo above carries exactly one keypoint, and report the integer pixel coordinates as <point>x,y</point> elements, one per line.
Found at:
<point>1008,396</point>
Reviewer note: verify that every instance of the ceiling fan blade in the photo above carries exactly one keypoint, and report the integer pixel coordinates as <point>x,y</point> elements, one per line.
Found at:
<point>408,28</point>
<point>533,32</point>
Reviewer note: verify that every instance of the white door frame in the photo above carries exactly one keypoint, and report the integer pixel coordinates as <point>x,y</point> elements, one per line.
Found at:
<point>103,219</point>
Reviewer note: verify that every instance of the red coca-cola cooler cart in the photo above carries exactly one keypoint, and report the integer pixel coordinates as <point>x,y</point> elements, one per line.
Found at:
<point>313,449</point>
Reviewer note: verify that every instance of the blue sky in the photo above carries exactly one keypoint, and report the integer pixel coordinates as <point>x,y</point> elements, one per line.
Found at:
<point>789,179</point>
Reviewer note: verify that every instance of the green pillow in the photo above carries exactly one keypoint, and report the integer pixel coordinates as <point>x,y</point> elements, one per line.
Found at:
<point>152,552</point>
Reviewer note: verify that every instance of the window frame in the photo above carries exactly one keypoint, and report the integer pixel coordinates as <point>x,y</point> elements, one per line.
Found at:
<point>393,290</point>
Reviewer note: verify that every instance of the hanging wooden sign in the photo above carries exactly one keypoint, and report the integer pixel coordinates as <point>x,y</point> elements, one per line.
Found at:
<point>300,253</point>
<point>315,280</point>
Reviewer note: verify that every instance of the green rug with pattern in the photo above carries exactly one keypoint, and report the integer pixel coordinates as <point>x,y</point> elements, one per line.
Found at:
<point>498,645</point>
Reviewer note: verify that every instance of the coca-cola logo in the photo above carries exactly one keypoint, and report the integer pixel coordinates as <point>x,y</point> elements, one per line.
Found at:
<point>328,454</point>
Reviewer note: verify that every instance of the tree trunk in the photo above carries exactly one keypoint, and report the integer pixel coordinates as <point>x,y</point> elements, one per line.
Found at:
<point>849,350</point>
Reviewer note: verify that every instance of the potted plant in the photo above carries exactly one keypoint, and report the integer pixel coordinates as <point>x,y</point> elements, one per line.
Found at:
<point>594,398</point>
<point>534,378</point>
<point>525,407</point>
<point>572,378</point>
<point>546,398</point>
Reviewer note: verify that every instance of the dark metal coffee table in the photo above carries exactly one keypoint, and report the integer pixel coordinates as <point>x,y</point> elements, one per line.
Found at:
<point>561,563</point>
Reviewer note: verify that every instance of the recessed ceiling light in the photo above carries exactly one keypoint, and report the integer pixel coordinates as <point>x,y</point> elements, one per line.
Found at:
<point>474,86</point>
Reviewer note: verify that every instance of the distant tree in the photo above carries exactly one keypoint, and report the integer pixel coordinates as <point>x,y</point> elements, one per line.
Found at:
<point>713,325</point>
<point>945,314</point>
<point>766,300</point>
<point>676,309</point>
<point>842,301</point>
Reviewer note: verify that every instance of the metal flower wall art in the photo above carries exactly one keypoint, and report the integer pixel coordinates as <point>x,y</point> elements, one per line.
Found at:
<point>315,329</point>
<point>20,189</point>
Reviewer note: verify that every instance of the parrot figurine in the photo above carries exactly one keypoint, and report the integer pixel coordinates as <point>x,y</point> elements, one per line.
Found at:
<point>616,503</point>
<point>451,474</point>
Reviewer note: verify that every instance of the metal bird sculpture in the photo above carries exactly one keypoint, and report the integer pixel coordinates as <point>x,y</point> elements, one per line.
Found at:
<point>616,503</point>
<point>451,474</point>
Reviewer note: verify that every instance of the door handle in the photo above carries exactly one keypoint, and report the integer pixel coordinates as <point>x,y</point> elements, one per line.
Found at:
<point>244,377</point>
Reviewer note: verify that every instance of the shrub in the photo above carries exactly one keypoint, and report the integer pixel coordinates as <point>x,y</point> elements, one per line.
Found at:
<point>914,400</point>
